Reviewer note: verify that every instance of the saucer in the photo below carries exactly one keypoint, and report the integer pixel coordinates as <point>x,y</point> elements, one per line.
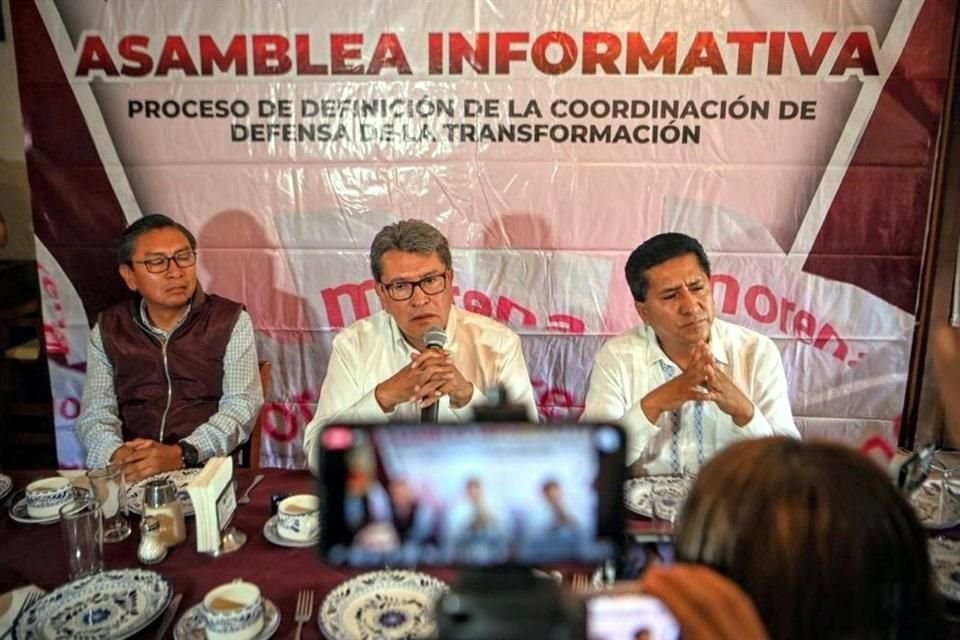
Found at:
<point>388,605</point>
<point>5,485</point>
<point>18,511</point>
<point>191,624</point>
<point>271,533</point>
<point>114,604</point>
<point>180,477</point>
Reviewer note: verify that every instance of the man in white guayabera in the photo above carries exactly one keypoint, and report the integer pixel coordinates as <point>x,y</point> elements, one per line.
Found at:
<point>386,368</point>
<point>684,384</point>
<point>172,374</point>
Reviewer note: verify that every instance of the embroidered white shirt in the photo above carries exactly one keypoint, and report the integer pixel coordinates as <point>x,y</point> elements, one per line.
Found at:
<point>630,366</point>
<point>372,350</point>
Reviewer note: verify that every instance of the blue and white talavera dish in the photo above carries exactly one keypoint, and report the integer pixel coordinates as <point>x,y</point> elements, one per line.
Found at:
<point>113,604</point>
<point>5,485</point>
<point>933,511</point>
<point>382,605</point>
<point>657,496</point>
<point>945,559</point>
<point>192,624</point>
<point>180,477</point>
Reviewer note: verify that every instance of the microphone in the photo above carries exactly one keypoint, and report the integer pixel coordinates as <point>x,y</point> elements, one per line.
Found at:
<point>434,338</point>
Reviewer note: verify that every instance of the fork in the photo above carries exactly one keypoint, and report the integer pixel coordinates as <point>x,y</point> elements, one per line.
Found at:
<point>304,609</point>
<point>32,597</point>
<point>580,583</point>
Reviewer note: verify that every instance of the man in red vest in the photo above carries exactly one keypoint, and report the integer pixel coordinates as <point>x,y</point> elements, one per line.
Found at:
<point>172,376</point>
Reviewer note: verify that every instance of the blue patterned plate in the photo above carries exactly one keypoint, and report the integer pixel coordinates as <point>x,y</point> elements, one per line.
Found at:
<point>945,559</point>
<point>181,477</point>
<point>191,624</point>
<point>113,604</point>
<point>666,494</point>
<point>5,485</point>
<point>382,605</point>
<point>927,505</point>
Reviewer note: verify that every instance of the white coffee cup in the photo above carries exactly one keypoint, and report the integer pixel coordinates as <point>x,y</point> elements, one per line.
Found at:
<point>298,517</point>
<point>47,495</point>
<point>233,611</point>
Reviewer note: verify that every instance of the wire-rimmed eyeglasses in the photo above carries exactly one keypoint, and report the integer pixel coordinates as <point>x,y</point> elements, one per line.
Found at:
<point>161,264</point>
<point>430,285</point>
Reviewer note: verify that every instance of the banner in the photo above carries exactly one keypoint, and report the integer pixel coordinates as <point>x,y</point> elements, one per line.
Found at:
<point>545,138</point>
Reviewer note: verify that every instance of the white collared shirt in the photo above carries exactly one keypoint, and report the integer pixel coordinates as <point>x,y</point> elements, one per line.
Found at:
<point>630,366</point>
<point>372,350</point>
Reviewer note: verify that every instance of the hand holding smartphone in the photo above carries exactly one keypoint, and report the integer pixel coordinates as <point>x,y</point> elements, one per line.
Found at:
<point>629,616</point>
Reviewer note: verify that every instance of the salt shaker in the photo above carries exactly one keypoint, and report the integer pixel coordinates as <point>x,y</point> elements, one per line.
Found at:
<point>151,550</point>
<point>160,501</point>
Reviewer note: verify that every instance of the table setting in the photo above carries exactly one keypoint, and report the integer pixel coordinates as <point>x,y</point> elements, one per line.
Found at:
<point>115,604</point>
<point>389,604</point>
<point>181,478</point>
<point>296,588</point>
<point>937,500</point>
<point>659,497</point>
<point>279,559</point>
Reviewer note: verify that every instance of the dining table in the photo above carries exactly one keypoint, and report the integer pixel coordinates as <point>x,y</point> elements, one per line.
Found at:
<point>33,554</point>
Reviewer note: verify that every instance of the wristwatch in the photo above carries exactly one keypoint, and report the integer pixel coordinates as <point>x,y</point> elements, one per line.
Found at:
<point>189,455</point>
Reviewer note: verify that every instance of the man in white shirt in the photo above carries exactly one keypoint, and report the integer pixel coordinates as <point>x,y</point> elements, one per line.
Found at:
<point>684,385</point>
<point>380,369</point>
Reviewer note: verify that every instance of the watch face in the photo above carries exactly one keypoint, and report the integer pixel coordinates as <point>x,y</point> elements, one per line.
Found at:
<point>190,455</point>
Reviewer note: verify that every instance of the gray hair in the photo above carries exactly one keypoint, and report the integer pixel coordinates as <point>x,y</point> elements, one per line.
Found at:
<point>409,236</point>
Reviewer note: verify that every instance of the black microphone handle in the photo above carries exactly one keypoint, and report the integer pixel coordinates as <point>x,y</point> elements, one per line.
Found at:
<point>430,414</point>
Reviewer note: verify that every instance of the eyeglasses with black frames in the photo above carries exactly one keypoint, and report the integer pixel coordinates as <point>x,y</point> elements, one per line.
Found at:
<point>403,290</point>
<point>161,264</point>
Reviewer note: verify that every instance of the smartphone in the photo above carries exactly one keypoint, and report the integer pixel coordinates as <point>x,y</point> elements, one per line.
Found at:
<point>629,616</point>
<point>471,495</point>
<point>636,557</point>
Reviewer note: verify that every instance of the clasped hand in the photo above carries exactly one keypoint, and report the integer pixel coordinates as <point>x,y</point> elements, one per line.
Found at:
<point>142,458</point>
<point>430,375</point>
<point>702,380</point>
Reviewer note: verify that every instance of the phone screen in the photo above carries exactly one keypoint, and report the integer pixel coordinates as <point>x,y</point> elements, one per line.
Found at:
<point>637,557</point>
<point>629,617</point>
<point>482,494</point>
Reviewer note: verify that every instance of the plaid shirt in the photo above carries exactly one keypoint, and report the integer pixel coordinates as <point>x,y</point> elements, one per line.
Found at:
<point>99,425</point>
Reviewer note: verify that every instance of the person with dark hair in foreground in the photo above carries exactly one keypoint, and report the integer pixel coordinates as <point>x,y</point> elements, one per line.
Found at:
<point>817,536</point>
<point>684,384</point>
<point>172,376</point>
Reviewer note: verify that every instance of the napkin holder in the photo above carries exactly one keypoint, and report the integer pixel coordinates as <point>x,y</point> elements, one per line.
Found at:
<point>214,503</point>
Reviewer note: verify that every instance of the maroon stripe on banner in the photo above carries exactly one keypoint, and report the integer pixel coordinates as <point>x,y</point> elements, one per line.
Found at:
<point>76,213</point>
<point>873,234</point>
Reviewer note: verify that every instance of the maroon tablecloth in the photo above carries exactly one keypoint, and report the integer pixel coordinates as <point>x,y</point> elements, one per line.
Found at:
<point>35,554</point>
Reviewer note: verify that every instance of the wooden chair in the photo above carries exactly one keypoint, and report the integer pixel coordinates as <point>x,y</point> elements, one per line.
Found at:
<point>248,454</point>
